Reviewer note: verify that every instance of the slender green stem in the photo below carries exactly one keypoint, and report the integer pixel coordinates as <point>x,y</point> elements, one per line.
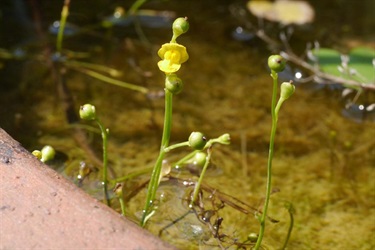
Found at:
<point>269,164</point>
<point>185,158</point>
<point>155,176</point>
<point>198,185</point>
<point>122,204</point>
<point>93,66</point>
<point>105,161</point>
<point>111,80</point>
<point>192,154</point>
<point>135,6</point>
<point>291,215</point>
<point>278,106</point>
<point>60,34</point>
<point>178,145</point>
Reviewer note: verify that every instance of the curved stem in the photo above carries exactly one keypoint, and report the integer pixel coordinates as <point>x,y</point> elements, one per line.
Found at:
<point>135,6</point>
<point>278,106</point>
<point>185,158</point>
<point>269,164</point>
<point>155,176</point>
<point>291,224</point>
<point>198,184</point>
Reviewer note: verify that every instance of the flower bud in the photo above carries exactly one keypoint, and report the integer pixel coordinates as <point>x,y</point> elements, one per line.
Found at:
<point>224,139</point>
<point>197,140</point>
<point>287,90</point>
<point>276,63</point>
<point>173,84</point>
<point>199,159</point>
<point>180,26</point>
<point>87,112</point>
<point>48,153</point>
<point>252,237</point>
<point>37,154</point>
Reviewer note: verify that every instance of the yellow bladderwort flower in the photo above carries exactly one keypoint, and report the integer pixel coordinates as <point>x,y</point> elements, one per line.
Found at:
<point>173,55</point>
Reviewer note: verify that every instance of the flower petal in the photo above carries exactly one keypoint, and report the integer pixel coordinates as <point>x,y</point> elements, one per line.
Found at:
<point>167,67</point>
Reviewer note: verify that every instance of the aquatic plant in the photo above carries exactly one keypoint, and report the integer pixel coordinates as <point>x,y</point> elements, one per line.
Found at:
<point>88,112</point>
<point>198,141</point>
<point>277,64</point>
<point>172,55</point>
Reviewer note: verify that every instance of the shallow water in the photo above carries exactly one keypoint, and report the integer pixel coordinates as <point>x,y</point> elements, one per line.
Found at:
<point>324,161</point>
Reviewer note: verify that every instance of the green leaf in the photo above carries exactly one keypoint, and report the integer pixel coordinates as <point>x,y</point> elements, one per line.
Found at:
<point>328,60</point>
<point>360,66</point>
<point>361,61</point>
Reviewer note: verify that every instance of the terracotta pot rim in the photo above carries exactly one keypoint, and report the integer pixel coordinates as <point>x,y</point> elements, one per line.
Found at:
<point>39,208</point>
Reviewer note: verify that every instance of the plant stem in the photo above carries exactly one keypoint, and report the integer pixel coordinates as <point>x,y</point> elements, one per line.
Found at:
<point>269,164</point>
<point>191,155</point>
<point>64,16</point>
<point>178,145</point>
<point>122,204</point>
<point>155,176</point>
<point>105,161</point>
<point>198,185</point>
<point>185,158</point>
<point>291,212</point>
<point>111,80</point>
<point>135,6</point>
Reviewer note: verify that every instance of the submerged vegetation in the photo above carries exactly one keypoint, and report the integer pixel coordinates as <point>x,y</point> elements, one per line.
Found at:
<point>205,190</point>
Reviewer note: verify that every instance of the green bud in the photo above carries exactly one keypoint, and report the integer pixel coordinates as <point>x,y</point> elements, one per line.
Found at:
<point>173,84</point>
<point>37,154</point>
<point>287,90</point>
<point>276,63</point>
<point>197,140</point>
<point>48,153</point>
<point>87,112</point>
<point>180,26</point>
<point>224,139</point>
<point>253,237</point>
<point>199,159</point>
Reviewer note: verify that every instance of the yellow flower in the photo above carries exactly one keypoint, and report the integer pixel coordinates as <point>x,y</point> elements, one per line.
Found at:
<point>173,55</point>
